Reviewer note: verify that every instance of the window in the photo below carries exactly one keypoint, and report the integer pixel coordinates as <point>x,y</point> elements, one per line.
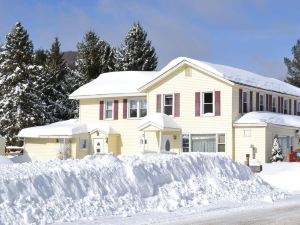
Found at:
<point>203,143</point>
<point>285,106</point>
<point>83,144</point>
<point>185,143</point>
<point>137,108</point>
<point>208,103</point>
<point>298,108</point>
<point>108,109</point>
<point>133,110</point>
<point>261,102</point>
<point>221,142</point>
<point>143,107</point>
<point>273,104</point>
<point>245,102</point>
<point>168,104</point>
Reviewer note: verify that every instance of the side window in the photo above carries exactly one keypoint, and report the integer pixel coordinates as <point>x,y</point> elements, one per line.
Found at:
<point>274,104</point>
<point>143,108</point>
<point>208,103</point>
<point>245,102</point>
<point>261,103</point>
<point>185,143</point>
<point>133,113</point>
<point>298,107</point>
<point>108,109</point>
<point>285,106</point>
<point>221,142</point>
<point>168,104</point>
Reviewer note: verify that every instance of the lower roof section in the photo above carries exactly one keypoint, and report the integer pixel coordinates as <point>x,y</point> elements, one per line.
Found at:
<point>66,128</point>
<point>159,120</point>
<point>268,118</point>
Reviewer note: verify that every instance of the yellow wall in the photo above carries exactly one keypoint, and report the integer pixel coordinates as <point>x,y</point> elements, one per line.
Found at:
<point>247,136</point>
<point>187,84</point>
<point>2,146</point>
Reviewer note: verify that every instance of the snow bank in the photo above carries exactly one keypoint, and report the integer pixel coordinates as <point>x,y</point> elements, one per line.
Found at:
<point>5,160</point>
<point>283,175</point>
<point>96,186</point>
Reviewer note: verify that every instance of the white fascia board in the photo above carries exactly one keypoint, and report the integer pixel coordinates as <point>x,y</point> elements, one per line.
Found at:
<point>136,94</point>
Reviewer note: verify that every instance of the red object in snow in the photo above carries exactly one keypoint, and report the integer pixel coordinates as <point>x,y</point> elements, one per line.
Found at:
<point>295,156</point>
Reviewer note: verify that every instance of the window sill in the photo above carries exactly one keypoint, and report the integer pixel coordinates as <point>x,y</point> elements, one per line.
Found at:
<point>208,115</point>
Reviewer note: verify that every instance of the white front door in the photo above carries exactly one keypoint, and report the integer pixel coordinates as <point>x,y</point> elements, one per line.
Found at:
<point>98,145</point>
<point>167,143</point>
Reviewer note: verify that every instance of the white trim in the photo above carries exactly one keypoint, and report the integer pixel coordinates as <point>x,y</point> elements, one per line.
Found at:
<point>111,95</point>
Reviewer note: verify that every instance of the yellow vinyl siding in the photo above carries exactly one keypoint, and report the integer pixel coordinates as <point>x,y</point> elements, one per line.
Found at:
<point>243,143</point>
<point>187,83</point>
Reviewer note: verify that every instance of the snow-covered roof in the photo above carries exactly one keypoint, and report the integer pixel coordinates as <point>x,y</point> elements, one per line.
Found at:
<point>232,74</point>
<point>126,83</point>
<point>265,118</point>
<point>114,83</point>
<point>159,120</point>
<point>65,128</point>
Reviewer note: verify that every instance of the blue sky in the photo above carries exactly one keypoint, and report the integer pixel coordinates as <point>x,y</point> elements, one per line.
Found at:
<point>253,35</point>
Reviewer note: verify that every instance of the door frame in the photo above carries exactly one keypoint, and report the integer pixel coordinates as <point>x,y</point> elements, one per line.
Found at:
<point>102,149</point>
<point>165,137</point>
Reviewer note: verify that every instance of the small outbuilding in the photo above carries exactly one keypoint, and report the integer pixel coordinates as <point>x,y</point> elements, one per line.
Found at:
<point>2,145</point>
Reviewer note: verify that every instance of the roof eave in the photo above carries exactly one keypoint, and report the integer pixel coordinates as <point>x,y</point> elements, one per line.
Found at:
<point>110,95</point>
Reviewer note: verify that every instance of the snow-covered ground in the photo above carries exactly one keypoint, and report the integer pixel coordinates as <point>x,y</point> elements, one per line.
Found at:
<point>100,187</point>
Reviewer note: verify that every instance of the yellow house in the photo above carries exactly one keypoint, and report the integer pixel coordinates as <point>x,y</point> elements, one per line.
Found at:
<point>187,106</point>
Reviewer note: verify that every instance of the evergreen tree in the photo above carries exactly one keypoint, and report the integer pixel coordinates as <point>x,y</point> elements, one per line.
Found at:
<point>56,86</point>
<point>20,104</point>
<point>95,56</point>
<point>293,66</point>
<point>136,53</point>
<point>40,57</point>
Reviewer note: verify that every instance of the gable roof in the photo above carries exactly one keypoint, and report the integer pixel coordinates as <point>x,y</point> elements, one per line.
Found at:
<point>265,118</point>
<point>235,75</point>
<point>114,83</point>
<point>133,83</point>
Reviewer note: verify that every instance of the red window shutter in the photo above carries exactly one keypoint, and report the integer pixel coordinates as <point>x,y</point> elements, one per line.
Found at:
<point>116,109</point>
<point>124,108</point>
<point>158,103</point>
<point>290,106</point>
<point>267,102</point>
<point>101,108</point>
<point>217,103</point>
<point>251,102</point>
<point>270,103</point>
<point>177,105</point>
<point>295,107</point>
<point>240,100</point>
<point>279,105</point>
<point>197,103</point>
<point>257,101</point>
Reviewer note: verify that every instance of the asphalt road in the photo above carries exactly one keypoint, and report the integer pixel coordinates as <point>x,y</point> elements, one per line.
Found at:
<point>280,213</point>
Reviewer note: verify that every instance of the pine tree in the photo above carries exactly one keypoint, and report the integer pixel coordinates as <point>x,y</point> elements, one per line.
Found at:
<point>136,53</point>
<point>40,57</point>
<point>95,56</point>
<point>20,104</point>
<point>56,86</point>
<point>276,151</point>
<point>293,66</point>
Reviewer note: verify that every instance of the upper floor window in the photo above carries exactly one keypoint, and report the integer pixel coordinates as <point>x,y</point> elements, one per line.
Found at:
<point>208,103</point>
<point>261,102</point>
<point>298,107</point>
<point>168,104</point>
<point>285,106</point>
<point>108,109</point>
<point>273,104</point>
<point>245,102</point>
<point>137,108</point>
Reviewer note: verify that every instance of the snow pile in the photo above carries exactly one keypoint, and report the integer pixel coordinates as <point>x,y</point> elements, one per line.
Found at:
<point>96,186</point>
<point>269,118</point>
<point>283,175</point>
<point>5,160</point>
